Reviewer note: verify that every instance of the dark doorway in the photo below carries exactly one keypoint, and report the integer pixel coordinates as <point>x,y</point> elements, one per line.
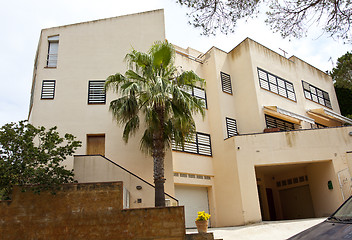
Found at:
<point>271,204</point>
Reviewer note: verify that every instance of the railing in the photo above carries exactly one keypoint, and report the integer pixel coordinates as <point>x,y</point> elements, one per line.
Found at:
<point>189,56</point>
<point>137,191</point>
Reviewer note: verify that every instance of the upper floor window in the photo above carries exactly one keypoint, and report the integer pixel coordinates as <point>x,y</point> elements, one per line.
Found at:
<point>315,94</point>
<point>231,127</point>
<point>226,83</point>
<point>199,144</point>
<point>96,92</point>
<point>48,89</point>
<point>53,47</point>
<point>276,85</point>
<point>198,93</point>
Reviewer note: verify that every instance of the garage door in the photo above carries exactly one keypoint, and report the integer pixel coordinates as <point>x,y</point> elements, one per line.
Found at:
<point>194,199</point>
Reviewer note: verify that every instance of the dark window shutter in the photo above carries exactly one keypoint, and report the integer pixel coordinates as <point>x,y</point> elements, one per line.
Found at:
<point>226,82</point>
<point>96,92</point>
<point>48,89</point>
<point>231,127</point>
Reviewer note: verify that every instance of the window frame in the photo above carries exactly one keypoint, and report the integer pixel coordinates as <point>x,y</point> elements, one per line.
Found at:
<point>191,92</point>
<point>273,82</point>
<point>286,128</point>
<point>307,90</point>
<point>52,58</point>
<point>226,83</point>
<point>48,92</point>
<point>196,144</point>
<point>228,122</point>
<point>91,93</point>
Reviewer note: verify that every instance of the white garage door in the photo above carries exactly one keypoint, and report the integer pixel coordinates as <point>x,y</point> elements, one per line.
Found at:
<point>195,199</point>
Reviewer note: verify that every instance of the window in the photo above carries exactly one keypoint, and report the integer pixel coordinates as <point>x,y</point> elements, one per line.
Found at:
<point>226,83</point>
<point>52,51</point>
<point>272,122</point>
<point>197,92</point>
<point>96,92</point>
<point>316,95</point>
<point>200,144</point>
<point>317,125</point>
<point>231,127</point>
<point>48,89</point>
<point>276,85</point>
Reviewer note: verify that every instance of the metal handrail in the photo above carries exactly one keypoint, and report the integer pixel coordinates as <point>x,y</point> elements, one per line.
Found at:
<point>128,172</point>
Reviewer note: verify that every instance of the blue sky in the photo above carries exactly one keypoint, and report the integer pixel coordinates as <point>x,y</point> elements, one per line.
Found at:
<point>21,22</point>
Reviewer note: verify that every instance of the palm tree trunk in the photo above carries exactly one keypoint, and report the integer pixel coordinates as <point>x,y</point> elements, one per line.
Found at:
<point>159,180</point>
<point>158,157</point>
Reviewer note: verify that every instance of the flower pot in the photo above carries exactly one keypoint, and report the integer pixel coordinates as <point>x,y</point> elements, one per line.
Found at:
<point>202,226</point>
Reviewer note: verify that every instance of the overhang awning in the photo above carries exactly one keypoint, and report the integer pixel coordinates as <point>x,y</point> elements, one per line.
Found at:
<point>327,113</point>
<point>287,115</point>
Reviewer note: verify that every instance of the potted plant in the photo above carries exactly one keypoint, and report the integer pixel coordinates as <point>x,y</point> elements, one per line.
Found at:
<point>202,222</point>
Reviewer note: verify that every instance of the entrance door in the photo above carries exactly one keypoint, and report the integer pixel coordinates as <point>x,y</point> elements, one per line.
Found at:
<point>96,144</point>
<point>297,203</point>
<point>195,199</point>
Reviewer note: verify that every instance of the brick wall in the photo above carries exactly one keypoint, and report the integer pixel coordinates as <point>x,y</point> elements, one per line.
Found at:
<point>86,211</point>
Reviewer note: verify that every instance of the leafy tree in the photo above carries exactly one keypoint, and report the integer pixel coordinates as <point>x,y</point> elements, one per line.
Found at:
<point>33,156</point>
<point>342,73</point>
<point>290,18</point>
<point>153,90</point>
<point>344,96</point>
<point>342,77</point>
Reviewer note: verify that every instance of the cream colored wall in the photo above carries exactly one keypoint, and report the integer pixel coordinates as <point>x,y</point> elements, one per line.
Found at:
<point>93,51</point>
<point>98,169</point>
<point>325,201</point>
<point>293,70</point>
<point>228,199</point>
<point>305,146</point>
<point>245,99</point>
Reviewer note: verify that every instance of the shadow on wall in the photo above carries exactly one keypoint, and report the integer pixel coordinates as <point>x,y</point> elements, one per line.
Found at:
<point>137,192</point>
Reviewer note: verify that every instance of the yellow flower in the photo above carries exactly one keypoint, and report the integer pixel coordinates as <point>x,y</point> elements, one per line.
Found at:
<point>202,216</point>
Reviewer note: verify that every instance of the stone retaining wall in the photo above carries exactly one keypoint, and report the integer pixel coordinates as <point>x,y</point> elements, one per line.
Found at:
<point>86,211</point>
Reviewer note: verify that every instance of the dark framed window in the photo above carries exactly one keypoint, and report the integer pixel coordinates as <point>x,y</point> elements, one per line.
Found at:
<point>48,89</point>
<point>96,92</point>
<point>273,122</point>
<point>200,144</point>
<point>318,125</point>
<point>198,93</point>
<point>53,47</point>
<point>226,83</point>
<point>231,127</point>
<point>276,84</point>
<point>316,95</point>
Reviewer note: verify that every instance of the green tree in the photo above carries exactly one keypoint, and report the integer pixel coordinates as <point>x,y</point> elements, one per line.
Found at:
<point>290,18</point>
<point>342,77</point>
<point>153,90</point>
<point>344,96</point>
<point>33,156</point>
<point>342,73</point>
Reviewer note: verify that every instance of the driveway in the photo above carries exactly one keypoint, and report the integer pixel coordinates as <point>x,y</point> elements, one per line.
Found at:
<point>276,230</point>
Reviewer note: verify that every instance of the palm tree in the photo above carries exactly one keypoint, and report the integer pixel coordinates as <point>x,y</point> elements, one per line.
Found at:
<point>153,90</point>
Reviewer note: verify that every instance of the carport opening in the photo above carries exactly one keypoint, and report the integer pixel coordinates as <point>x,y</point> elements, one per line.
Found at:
<point>296,191</point>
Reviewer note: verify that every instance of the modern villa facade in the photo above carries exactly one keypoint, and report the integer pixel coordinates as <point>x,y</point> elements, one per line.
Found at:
<point>272,145</point>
